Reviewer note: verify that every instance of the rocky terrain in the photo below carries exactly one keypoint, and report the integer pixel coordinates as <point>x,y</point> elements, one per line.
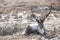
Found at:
<point>15,17</point>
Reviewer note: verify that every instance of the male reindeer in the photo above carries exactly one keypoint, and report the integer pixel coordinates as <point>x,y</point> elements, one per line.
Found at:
<point>37,29</point>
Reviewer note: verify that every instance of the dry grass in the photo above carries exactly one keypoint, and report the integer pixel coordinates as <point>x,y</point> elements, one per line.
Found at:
<point>11,23</point>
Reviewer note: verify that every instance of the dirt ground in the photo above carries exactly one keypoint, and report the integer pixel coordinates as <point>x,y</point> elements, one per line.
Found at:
<point>15,15</point>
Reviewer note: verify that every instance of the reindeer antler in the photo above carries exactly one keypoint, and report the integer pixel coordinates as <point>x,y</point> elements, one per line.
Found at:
<point>33,15</point>
<point>45,16</point>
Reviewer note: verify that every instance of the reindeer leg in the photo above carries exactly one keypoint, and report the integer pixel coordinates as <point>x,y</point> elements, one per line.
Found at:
<point>28,31</point>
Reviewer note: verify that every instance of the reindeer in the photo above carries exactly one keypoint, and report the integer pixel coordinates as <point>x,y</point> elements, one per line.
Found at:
<point>37,29</point>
